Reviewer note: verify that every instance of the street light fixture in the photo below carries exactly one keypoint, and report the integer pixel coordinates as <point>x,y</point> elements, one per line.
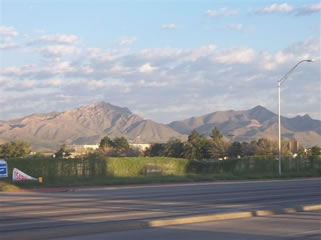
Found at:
<point>279,105</point>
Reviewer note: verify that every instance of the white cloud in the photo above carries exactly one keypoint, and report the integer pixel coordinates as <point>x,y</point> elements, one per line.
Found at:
<point>169,26</point>
<point>156,84</point>
<point>222,12</point>
<point>237,27</point>
<point>309,9</point>
<point>128,41</point>
<point>107,84</point>
<point>235,55</point>
<point>86,69</point>
<point>57,39</point>
<point>15,71</point>
<point>28,83</point>
<point>287,8</point>
<point>93,84</point>
<point>39,72</point>
<point>274,8</point>
<point>238,78</point>
<point>8,45</point>
<point>8,31</point>
<point>153,53</point>
<point>310,48</point>
<point>175,54</point>
<point>61,67</point>
<point>117,68</point>
<point>271,62</point>
<point>109,55</point>
<point>195,54</point>
<point>5,81</point>
<point>60,51</point>
<point>146,68</point>
<point>51,83</point>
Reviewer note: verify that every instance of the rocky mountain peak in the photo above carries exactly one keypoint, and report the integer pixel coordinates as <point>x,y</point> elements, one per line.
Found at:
<point>260,113</point>
<point>106,107</point>
<point>88,124</point>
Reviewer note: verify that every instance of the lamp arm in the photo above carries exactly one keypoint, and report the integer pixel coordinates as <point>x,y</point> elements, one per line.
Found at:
<point>282,80</point>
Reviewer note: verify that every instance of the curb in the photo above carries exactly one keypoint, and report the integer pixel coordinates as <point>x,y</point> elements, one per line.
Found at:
<point>230,216</point>
<point>71,231</point>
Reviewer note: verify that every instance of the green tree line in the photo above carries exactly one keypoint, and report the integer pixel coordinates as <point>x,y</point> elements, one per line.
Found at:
<point>16,148</point>
<point>198,146</point>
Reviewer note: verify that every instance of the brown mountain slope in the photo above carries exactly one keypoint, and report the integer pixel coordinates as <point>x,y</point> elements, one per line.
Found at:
<point>84,125</point>
<point>88,124</point>
<point>253,124</point>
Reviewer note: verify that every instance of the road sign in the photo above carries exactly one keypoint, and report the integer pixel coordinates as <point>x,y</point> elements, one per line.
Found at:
<point>3,169</point>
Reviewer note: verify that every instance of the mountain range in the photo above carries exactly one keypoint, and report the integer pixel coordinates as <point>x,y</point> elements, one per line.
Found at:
<point>88,124</point>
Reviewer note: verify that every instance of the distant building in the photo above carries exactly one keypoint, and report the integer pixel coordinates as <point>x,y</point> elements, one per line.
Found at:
<point>140,146</point>
<point>77,150</point>
<point>294,145</point>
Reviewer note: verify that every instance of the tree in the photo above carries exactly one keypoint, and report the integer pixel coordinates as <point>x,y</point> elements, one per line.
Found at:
<point>194,136</point>
<point>189,151</point>
<point>270,147</point>
<point>266,147</point>
<point>120,144</point>
<point>156,149</point>
<point>315,152</point>
<point>15,148</point>
<point>106,142</point>
<point>63,151</point>
<point>219,148</point>
<point>302,154</point>
<point>235,149</point>
<point>174,148</point>
<point>216,134</point>
<point>248,149</point>
<point>203,146</point>
<point>197,146</point>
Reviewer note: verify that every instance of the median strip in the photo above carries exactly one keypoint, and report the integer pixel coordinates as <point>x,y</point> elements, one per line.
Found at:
<point>230,216</point>
<point>75,230</point>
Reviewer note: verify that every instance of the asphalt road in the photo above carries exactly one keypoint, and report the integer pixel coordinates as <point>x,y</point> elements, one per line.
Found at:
<point>53,215</point>
<point>297,226</point>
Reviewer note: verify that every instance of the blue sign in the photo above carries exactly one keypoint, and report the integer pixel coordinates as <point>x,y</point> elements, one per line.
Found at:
<point>3,169</point>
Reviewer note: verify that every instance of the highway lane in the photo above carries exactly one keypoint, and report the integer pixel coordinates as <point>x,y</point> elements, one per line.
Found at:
<point>23,214</point>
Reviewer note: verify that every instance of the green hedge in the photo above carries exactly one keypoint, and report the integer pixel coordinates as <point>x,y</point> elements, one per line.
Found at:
<point>256,164</point>
<point>51,168</point>
<point>93,166</point>
<point>137,166</point>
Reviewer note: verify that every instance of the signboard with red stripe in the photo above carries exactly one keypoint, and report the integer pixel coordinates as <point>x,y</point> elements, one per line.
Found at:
<point>18,175</point>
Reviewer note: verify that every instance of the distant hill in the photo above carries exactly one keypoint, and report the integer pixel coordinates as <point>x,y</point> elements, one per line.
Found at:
<point>88,124</point>
<point>252,124</point>
<point>84,125</point>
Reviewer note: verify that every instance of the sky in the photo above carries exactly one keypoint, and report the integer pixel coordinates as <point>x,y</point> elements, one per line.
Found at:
<point>165,60</point>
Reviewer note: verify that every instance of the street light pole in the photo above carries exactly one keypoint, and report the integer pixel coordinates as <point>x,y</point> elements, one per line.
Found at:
<point>279,125</point>
<point>279,106</point>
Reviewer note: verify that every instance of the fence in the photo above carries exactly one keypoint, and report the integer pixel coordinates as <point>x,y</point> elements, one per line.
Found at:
<point>53,168</point>
<point>257,164</point>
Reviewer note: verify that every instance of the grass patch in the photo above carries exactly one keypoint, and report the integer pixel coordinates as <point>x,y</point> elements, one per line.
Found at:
<point>7,187</point>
